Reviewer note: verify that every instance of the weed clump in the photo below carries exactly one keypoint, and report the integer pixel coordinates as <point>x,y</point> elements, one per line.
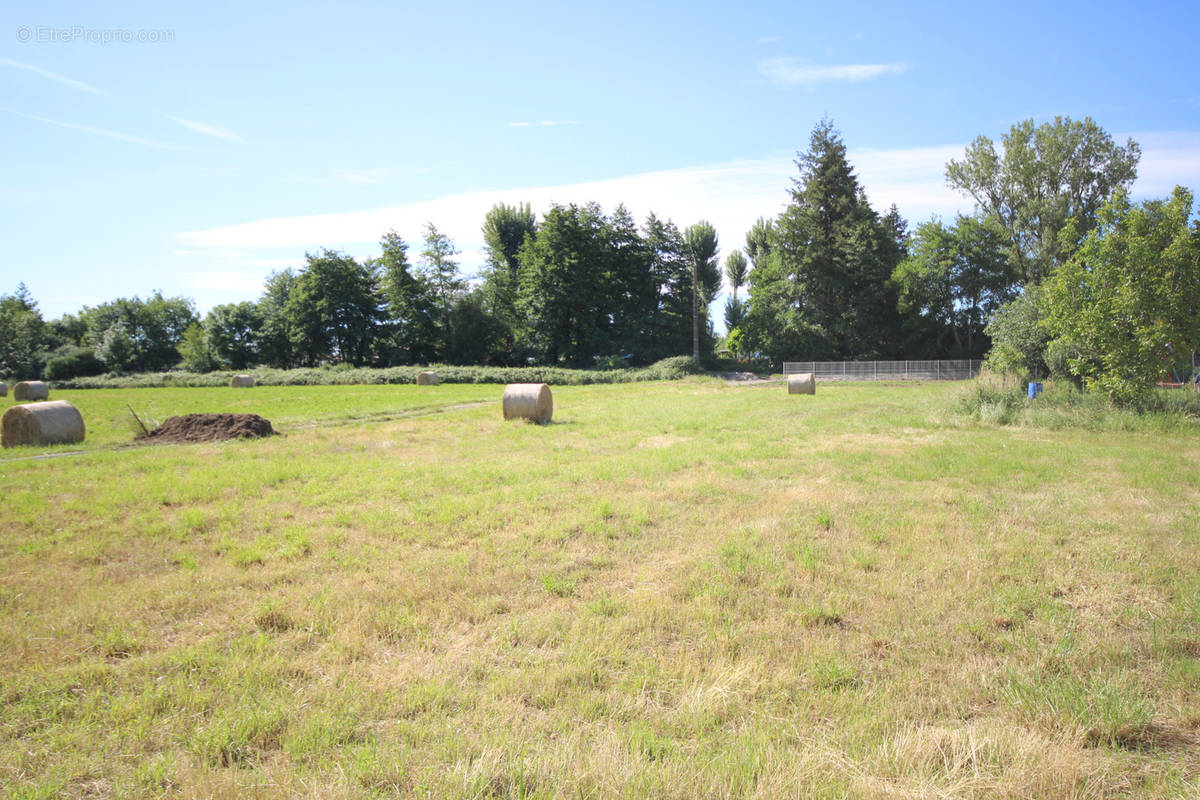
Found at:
<point>994,399</point>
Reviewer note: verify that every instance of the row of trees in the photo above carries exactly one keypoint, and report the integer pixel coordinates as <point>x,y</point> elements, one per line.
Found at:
<point>1054,262</point>
<point>580,288</point>
<point>1056,268</point>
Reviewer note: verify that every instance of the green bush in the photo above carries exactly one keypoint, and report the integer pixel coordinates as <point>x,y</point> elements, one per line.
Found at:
<point>1002,400</point>
<point>667,369</point>
<point>73,362</point>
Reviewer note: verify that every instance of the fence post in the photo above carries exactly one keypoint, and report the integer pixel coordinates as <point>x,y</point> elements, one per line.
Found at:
<point>939,377</point>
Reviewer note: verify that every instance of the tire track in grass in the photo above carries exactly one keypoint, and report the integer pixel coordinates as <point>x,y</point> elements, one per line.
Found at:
<point>329,423</point>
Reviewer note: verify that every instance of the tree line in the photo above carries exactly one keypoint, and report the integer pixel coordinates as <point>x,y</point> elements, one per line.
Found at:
<point>579,288</point>
<point>1052,263</point>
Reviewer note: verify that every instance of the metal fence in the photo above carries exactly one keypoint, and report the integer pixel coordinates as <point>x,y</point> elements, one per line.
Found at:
<point>886,370</point>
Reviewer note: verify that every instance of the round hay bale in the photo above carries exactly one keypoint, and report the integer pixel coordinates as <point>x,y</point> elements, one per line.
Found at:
<point>802,383</point>
<point>241,381</point>
<point>52,422</point>
<point>27,391</point>
<point>531,401</point>
<point>428,378</point>
<point>3,389</point>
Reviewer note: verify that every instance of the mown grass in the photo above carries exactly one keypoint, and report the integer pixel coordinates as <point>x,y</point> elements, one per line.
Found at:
<point>115,416</point>
<point>680,590</point>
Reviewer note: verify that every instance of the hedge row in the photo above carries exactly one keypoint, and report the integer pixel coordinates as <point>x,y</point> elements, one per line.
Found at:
<point>667,369</point>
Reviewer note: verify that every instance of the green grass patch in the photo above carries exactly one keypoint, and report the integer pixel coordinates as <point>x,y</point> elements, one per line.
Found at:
<point>677,589</point>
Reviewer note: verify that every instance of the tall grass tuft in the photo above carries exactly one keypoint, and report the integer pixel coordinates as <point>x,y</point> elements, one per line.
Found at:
<point>994,399</point>
<point>667,369</point>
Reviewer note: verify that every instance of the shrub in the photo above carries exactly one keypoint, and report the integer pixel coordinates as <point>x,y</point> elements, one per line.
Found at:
<point>73,362</point>
<point>667,369</point>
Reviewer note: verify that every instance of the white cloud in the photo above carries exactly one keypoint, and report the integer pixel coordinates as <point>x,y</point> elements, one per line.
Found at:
<point>206,130</point>
<point>94,131</point>
<point>769,39</point>
<point>1169,159</point>
<point>731,196</point>
<point>45,73</point>
<point>798,72</point>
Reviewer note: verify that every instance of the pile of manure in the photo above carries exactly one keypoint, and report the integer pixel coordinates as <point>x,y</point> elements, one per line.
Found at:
<point>208,428</point>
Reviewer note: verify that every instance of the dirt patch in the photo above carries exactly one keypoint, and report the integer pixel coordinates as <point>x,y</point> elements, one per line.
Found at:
<point>208,428</point>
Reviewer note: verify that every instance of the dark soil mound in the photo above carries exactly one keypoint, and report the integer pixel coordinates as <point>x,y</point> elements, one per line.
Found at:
<point>209,428</point>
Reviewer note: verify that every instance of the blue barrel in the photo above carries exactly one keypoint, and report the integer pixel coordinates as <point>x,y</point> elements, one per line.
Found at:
<point>1034,390</point>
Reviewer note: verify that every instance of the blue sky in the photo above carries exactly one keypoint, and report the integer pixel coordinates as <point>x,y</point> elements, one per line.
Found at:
<point>201,147</point>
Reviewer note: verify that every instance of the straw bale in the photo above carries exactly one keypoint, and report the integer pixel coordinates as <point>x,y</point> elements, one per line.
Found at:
<point>26,391</point>
<point>52,422</point>
<point>802,383</point>
<point>428,378</point>
<point>241,381</point>
<point>531,401</point>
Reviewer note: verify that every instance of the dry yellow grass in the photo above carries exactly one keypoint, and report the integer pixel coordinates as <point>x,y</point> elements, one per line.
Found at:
<point>650,597</point>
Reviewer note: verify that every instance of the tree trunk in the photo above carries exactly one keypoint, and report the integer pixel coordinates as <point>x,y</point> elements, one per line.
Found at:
<point>695,311</point>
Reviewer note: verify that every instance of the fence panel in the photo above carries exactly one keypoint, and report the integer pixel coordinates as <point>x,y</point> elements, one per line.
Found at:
<point>943,370</point>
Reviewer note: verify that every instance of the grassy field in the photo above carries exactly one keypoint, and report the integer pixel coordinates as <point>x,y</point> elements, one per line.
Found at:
<point>675,590</point>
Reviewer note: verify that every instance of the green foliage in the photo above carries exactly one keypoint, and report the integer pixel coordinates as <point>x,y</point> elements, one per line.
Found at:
<point>760,241</point>
<point>334,310</point>
<point>116,348</point>
<point>735,313</point>
<point>1045,176</point>
<point>410,335</point>
<point>72,361</point>
<point>476,337</point>
<point>275,335</point>
<point>440,271</point>
<point>139,335</point>
<point>231,333</point>
<point>1126,305</point>
<point>996,399</point>
<point>1018,336</point>
<point>21,335</point>
<point>823,289</point>
<point>195,350</point>
<point>592,287</point>
<point>953,280</point>
<point>672,368</point>
<point>505,229</point>
<point>700,247</point>
<point>737,269</point>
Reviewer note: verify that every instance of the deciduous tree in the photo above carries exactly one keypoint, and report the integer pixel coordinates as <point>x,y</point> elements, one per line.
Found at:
<point>1127,303</point>
<point>1042,177</point>
<point>701,248</point>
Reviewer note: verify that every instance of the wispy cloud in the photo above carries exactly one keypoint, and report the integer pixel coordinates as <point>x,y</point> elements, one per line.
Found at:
<point>789,71</point>
<point>545,123</point>
<point>123,137</point>
<point>54,76</point>
<point>206,130</point>
<point>730,195</point>
<point>769,39</point>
